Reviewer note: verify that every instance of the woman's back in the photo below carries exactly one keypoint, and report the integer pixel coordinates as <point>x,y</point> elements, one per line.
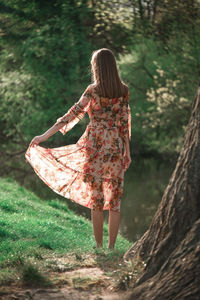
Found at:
<point>109,122</point>
<point>108,111</point>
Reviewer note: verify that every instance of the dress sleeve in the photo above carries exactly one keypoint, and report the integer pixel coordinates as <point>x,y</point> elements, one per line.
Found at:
<point>76,112</point>
<point>125,118</point>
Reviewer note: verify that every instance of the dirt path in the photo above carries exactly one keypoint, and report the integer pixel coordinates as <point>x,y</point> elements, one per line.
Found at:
<point>59,294</point>
<point>88,283</point>
<point>73,277</point>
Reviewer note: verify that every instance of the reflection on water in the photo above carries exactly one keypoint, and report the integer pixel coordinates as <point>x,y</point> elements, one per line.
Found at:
<point>144,185</point>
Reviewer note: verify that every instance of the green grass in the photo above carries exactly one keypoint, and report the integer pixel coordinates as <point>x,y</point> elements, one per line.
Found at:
<point>31,229</point>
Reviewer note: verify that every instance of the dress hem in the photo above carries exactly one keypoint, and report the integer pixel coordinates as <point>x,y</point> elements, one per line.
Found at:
<point>62,194</point>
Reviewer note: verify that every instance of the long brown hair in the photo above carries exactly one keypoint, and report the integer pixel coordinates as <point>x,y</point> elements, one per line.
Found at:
<point>107,81</point>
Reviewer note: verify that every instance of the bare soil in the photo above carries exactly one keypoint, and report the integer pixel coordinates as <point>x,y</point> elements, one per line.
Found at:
<point>75,277</point>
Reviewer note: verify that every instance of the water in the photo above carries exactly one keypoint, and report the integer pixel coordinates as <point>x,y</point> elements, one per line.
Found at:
<point>144,185</point>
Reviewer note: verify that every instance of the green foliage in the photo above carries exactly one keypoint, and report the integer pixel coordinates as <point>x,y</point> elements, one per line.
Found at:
<point>45,69</point>
<point>45,55</point>
<point>162,85</point>
<point>112,27</point>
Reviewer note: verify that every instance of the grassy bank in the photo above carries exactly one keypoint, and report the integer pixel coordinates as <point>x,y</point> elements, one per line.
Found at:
<point>34,233</point>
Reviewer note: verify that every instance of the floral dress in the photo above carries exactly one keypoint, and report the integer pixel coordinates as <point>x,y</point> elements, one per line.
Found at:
<point>90,172</point>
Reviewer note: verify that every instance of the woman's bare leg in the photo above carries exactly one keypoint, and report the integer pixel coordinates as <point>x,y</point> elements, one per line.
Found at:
<point>114,217</point>
<point>97,221</point>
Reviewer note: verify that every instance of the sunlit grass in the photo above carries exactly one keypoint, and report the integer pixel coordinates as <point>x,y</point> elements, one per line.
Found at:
<point>31,228</point>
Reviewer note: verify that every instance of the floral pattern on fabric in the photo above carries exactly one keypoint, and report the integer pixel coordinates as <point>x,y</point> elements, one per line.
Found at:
<point>90,172</point>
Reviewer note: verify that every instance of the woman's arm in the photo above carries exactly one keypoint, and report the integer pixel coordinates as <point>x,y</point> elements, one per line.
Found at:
<point>127,144</point>
<point>69,120</point>
<point>127,155</point>
<point>76,112</point>
<point>126,122</point>
<point>51,131</point>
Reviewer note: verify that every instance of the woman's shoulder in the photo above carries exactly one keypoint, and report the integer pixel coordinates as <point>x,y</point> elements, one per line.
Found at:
<point>92,91</point>
<point>89,90</point>
<point>90,87</point>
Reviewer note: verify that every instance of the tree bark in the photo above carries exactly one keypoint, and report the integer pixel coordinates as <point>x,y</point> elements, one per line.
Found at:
<point>171,246</point>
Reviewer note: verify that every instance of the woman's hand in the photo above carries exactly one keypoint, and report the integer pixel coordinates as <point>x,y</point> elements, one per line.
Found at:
<point>127,160</point>
<point>37,140</point>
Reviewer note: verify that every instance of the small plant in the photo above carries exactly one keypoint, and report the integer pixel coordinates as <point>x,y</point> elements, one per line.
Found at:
<point>80,283</point>
<point>32,277</point>
<point>130,274</point>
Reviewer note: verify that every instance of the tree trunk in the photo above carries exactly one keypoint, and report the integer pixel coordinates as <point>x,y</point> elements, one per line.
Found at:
<point>155,4</point>
<point>141,10</point>
<point>171,246</point>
